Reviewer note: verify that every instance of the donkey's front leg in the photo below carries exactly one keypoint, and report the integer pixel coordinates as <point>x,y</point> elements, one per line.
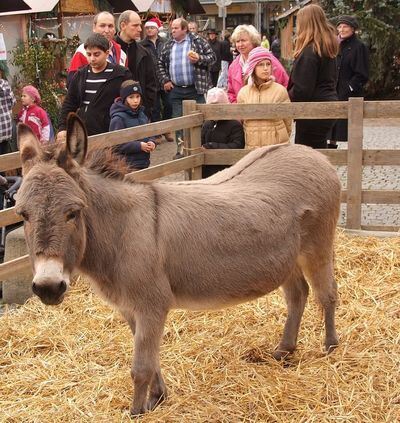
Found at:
<point>146,363</point>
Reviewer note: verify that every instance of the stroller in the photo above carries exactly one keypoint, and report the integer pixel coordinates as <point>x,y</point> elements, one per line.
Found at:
<point>9,186</point>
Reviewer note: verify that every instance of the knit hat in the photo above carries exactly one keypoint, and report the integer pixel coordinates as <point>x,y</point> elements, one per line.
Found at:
<point>33,93</point>
<point>348,20</point>
<point>153,22</point>
<point>217,96</point>
<point>132,88</point>
<point>256,56</point>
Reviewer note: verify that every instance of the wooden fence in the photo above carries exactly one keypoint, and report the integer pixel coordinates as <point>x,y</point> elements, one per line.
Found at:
<point>356,110</point>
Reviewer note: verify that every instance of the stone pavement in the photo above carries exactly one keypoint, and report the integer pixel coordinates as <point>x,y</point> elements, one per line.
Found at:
<point>378,134</point>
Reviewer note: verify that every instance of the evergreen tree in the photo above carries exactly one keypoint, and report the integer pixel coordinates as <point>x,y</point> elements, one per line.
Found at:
<point>379,29</point>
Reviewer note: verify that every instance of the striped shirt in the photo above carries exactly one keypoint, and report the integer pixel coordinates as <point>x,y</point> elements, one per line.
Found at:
<point>180,68</point>
<point>94,81</point>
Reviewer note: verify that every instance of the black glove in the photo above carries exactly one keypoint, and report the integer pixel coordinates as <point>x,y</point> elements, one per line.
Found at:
<point>9,194</point>
<point>208,145</point>
<point>3,181</point>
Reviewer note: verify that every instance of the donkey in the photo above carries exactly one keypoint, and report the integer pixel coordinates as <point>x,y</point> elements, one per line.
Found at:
<point>268,221</point>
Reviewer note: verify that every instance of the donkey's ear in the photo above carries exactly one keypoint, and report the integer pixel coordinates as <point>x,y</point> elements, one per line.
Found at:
<point>76,138</point>
<point>29,147</point>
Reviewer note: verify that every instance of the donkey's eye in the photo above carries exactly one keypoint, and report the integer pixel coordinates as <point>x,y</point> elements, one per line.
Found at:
<point>72,215</point>
<point>24,215</point>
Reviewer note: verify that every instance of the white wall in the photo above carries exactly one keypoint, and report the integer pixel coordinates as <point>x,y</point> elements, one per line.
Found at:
<point>13,29</point>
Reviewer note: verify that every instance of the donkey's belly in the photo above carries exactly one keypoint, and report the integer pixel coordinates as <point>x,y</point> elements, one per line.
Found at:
<point>221,297</point>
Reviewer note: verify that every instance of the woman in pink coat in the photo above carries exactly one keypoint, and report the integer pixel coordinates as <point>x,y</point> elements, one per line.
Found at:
<point>246,37</point>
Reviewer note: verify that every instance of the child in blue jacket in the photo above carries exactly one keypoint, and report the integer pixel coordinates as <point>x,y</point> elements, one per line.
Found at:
<point>127,112</point>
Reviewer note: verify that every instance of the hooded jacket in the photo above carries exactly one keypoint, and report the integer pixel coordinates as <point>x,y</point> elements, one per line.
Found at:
<point>123,117</point>
<point>97,114</point>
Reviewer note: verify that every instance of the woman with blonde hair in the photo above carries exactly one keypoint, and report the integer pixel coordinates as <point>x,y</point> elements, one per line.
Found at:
<point>313,76</point>
<point>245,38</point>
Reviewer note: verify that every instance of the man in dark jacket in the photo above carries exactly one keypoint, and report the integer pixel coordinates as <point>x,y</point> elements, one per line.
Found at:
<point>140,62</point>
<point>93,88</point>
<point>353,66</point>
<point>153,43</point>
<point>216,46</point>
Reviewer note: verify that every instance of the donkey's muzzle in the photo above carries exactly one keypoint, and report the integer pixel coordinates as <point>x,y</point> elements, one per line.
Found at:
<point>51,293</point>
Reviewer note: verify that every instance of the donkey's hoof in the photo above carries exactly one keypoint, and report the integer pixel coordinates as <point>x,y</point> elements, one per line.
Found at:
<point>155,400</point>
<point>136,412</point>
<point>281,355</point>
<point>329,347</point>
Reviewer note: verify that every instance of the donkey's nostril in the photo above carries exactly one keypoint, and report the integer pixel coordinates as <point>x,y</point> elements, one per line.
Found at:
<point>62,288</point>
<point>34,288</point>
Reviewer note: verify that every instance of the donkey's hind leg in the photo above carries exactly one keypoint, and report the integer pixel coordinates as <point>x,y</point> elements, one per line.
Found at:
<point>296,292</point>
<point>320,274</point>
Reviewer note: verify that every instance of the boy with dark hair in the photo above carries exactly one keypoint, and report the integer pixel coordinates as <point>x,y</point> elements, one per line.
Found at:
<point>93,89</point>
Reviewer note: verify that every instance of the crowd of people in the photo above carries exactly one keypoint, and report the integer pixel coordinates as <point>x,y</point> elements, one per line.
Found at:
<point>120,78</point>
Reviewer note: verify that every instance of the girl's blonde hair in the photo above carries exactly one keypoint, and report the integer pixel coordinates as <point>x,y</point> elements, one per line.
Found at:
<point>313,28</point>
<point>250,30</point>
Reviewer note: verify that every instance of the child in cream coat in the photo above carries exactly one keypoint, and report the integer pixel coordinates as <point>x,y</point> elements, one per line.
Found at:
<point>262,88</point>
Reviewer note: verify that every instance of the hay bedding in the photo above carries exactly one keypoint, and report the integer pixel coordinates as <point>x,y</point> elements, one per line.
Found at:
<point>71,363</point>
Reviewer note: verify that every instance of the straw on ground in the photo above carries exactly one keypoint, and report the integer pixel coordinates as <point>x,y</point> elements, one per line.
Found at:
<point>71,362</point>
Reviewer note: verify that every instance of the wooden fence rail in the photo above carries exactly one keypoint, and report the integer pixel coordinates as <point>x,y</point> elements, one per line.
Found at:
<point>356,109</point>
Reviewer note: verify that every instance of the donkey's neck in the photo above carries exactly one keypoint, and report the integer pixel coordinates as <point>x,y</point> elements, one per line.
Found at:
<point>115,210</point>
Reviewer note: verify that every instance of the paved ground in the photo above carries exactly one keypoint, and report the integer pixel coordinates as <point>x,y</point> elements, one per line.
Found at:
<point>377,134</point>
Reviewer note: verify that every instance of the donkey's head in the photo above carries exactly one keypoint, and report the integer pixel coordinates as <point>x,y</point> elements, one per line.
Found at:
<point>51,203</point>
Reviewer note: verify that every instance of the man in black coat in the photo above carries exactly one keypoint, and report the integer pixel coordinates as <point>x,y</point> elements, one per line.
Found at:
<point>153,43</point>
<point>140,62</point>
<point>216,46</point>
<point>353,70</point>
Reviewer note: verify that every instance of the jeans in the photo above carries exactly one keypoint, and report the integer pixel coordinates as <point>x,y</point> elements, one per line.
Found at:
<point>166,112</point>
<point>223,76</point>
<point>177,95</point>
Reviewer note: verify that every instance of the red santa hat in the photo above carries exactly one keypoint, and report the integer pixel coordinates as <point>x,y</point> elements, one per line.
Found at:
<point>155,22</point>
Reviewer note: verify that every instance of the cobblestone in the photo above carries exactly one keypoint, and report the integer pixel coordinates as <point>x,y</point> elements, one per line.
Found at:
<point>376,136</point>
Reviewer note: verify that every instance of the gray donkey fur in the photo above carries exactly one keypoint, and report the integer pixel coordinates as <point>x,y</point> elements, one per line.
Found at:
<point>268,221</point>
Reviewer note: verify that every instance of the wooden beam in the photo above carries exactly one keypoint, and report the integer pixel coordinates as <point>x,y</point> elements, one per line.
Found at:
<point>192,139</point>
<point>325,110</point>
<point>381,157</point>
<point>375,196</point>
<point>10,268</point>
<point>166,169</point>
<point>229,157</point>
<point>109,139</point>
<point>382,109</point>
<point>138,132</point>
<point>354,164</point>
<point>8,217</point>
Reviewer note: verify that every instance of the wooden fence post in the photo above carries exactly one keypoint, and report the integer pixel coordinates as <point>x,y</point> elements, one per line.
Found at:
<point>192,138</point>
<point>354,162</point>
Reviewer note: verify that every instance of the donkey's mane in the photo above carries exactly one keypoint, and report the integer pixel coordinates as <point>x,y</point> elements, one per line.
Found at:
<point>107,164</point>
<point>101,161</point>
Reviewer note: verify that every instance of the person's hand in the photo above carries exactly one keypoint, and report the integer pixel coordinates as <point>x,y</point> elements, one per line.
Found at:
<point>151,145</point>
<point>61,137</point>
<point>168,86</point>
<point>193,56</point>
<point>147,147</point>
